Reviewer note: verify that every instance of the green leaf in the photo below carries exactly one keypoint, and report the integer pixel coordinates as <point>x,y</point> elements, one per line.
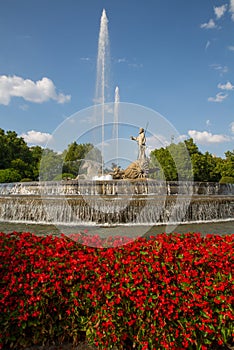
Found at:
<point>110,295</point>
<point>223,332</point>
<point>143,253</point>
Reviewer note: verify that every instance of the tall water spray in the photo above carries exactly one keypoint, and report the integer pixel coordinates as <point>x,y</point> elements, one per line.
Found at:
<point>103,67</point>
<point>116,121</point>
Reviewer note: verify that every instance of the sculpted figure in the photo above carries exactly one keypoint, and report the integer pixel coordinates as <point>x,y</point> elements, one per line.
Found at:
<point>141,140</point>
<point>117,173</point>
<point>136,170</point>
<point>92,169</point>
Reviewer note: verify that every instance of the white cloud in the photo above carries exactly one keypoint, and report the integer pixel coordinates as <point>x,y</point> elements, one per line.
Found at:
<point>40,91</point>
<point>220,97</point>
<point>209,25</point>
<point>156,142</point>
<point>205,137</point>
<point>232,127</point>
<point>221,69</point>
<point>121,60</point>
<point>232,9</point>
<point>207,45</point>
<point>220,10</point>
<point>36,137</point>
<point>181,138</point>
<point>227,86</point>
<point>231,48</point>
<point>232,5</point>
<point>208,123</point>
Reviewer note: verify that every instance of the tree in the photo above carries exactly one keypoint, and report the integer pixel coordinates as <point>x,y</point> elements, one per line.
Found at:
<point>191,147</point>
<point>22,167</point>
<point>4,162</point>
<point>77,154</point>
<point>216,171</point>
<point>9,175</point>
<point>36,154</point>
<point>15,154</point>
<point>205,167</point>
<point>162,159</point>
<point>181,157</point>
<point>51,165</point>
<point>173,161</point>
<point>17,148</point>
<point>228,166</point>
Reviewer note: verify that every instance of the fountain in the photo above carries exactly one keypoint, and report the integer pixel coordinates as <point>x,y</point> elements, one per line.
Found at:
<point>116,122</point>
<point>103,60</point>
<point>115,202</point>
<point>124,196</point>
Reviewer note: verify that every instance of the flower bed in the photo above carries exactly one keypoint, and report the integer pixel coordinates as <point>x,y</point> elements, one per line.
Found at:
<point>168,292</point>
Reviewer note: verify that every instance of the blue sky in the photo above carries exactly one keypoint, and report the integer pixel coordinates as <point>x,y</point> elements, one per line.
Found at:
<point>172,56</point>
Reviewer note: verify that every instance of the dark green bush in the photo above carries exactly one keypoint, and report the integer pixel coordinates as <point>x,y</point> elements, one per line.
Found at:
<point>9,175</point>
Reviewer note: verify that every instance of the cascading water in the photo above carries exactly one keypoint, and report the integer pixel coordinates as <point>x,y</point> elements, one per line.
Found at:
<point>103,67</point>
<point>116,202</point>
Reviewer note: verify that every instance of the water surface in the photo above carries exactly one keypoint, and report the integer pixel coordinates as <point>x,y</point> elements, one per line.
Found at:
<point>221,228</point>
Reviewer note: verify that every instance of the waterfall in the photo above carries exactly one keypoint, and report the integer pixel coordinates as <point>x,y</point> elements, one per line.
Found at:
<point>116,202</point>
<point>118,210</point>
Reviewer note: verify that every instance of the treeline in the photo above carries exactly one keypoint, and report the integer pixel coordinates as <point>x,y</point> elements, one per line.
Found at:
<point>19,162</point>
<point>183,161</point>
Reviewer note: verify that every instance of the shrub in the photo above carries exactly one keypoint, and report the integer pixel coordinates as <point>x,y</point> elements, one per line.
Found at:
<point>9,175</point>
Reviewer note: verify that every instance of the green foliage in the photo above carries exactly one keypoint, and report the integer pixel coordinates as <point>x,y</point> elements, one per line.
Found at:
<point>173,161</point>
<point>22,167</point>
<point>51,165</point>
<point>205,167</point>
<point>9,175</point>
<point>177,163</point>
<point>15,154</point>
<point>28,162</point>
<point>191,147</point>
<point>182,161</point>
<point>228,166</point>
<point>167,168</point>
<point>227,180</point>
<point>77,154</point>
<point>36,154</point>
<point>15,147</point>
<point>64,176</point>
<point>54,165</point>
